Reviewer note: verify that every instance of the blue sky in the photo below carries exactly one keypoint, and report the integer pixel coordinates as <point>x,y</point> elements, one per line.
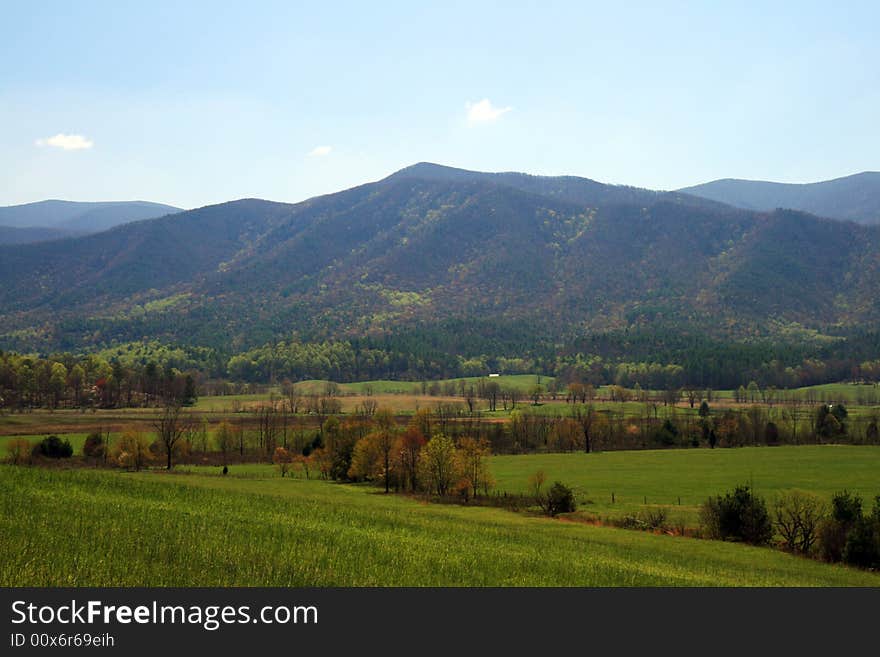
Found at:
<point>191,104</point>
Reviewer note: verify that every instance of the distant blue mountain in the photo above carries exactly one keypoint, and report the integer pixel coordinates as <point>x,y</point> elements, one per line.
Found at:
<point>78,218</point>
<point>853,198</point>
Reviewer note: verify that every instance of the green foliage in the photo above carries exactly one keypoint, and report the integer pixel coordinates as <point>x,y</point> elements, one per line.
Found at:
<point>862,546</point>
<point>53,447</point>
<point>667,434</point>
<point>846,508</point>
<point>849,535</point>
<point>739,515</point>
<point>560,499</point>
<point>396,279</point>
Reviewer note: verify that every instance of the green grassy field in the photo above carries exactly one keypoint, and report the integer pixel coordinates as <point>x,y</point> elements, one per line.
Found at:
<point>108,528</point>
<point>678,479</point>
<point>225,403</point>
<point>523,384</point>
<point>663,476</point>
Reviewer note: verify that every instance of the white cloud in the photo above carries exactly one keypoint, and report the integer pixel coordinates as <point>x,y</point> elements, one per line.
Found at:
<point>319,151</point>
<point>483,111</point>
<point>67,142</point>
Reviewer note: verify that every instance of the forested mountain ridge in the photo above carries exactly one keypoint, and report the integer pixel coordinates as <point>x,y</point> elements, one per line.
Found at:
<point>853,198</point>
<point>546,257</point>
<point>71,218</point>
<point>16,235</point>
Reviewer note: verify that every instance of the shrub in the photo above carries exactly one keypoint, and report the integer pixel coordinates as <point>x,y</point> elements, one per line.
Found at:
<point>862,546</point>
<point>846,513</point>
<point>655,518</point>
<point>94,447</point>
<point>53,448</point>
<point>560,499</point>
<point>832,540</point>
<point>846,508</point>
<point>740,516</point>
<point>627,522</point>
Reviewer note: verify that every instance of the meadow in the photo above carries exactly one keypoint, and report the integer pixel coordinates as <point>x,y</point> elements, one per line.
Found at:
<point>682,479</point>
<point>192,527</point>
<point>79,527</point>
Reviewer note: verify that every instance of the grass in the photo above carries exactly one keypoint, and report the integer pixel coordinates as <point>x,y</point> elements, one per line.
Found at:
<point>662,477</point>
<point>107,528</point>
<point>225,403</point>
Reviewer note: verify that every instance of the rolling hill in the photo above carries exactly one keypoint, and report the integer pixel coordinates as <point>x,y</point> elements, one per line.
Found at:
<point>852,198</point>
<point>556,257</point>
<point>71,218</point>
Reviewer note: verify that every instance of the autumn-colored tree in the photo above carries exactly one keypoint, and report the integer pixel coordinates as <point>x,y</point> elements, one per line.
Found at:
<point>406,455</point>
<point>305,462</point>
<point>365,459</point>
<point>423,420</point>
<point>472,464</point>
<point>372,455</point>
<point>19,450</point>
<point>437,471</point>
<point>386,437</point>
<point>565,435</point>
<point>283,459</point>
<point>322,460</point>
<point>728,430</point>
<point>132,451</point>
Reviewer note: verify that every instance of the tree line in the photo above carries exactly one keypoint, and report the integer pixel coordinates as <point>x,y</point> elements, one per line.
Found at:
<point>67,381</point>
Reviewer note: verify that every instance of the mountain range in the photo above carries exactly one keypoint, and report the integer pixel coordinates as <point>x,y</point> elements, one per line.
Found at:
<point>853,198</point>
<point>54,219</point>
<point>431,247</point>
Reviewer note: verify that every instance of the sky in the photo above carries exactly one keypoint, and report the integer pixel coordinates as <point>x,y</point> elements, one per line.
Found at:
<point>193,103</point>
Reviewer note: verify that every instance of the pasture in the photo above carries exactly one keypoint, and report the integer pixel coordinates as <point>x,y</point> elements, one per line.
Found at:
<point>109,528</point>
<point>689,476</point>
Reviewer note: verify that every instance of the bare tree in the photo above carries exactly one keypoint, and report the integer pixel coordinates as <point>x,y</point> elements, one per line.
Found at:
<point>798,518</point>
<point>170,427</point>
<point>585,415</point>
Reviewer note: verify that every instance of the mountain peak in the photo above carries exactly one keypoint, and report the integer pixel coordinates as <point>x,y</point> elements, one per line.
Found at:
<point>433,171</point>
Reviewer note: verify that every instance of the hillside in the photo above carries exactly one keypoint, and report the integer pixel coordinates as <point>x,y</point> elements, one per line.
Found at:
<point>853,198</point>
<point>75,217</point>
<point>509,255</point>
<point>13,235</point>
<point>239,531</point>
